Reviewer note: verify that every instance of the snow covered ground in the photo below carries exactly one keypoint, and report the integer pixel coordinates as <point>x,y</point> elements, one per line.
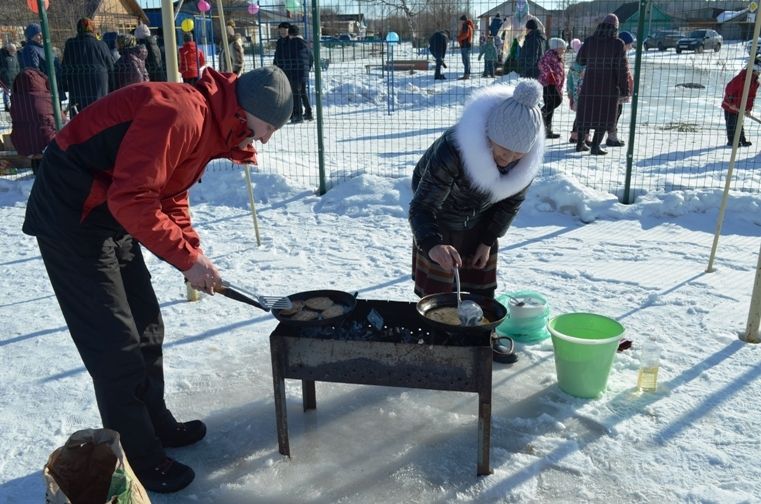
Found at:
<point>693,440</point>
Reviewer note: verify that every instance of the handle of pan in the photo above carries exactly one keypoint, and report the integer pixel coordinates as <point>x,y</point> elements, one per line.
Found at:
<point>231,293</point>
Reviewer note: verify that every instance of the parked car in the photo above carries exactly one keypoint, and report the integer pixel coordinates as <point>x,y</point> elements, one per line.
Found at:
<point>332,42</point>
<point>662,40</point>
<point>700,40</point>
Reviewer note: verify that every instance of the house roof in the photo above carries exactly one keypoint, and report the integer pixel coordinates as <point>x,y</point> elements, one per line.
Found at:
<point>627,10</point>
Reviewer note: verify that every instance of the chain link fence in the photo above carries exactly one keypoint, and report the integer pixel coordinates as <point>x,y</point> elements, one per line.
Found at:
<point>374,104</point>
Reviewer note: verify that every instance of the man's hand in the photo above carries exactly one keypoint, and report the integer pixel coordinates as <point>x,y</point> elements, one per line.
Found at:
<point>481,257</point>
<point>203,275</point>
<point>446,256</point>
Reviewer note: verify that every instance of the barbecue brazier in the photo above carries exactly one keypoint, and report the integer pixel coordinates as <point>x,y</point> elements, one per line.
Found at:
<point>384,343</point>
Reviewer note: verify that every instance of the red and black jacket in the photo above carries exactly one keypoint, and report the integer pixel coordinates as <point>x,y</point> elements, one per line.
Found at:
<point>127,161</point>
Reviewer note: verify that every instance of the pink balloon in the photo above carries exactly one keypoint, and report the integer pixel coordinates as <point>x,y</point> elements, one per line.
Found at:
<point>203,6</point>
<point>253,9</point>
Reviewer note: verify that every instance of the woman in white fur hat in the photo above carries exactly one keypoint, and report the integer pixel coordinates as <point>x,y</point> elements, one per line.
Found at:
<point>469,185</point>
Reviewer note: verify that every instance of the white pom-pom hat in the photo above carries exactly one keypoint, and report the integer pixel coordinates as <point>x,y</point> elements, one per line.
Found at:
<point>516,123</point>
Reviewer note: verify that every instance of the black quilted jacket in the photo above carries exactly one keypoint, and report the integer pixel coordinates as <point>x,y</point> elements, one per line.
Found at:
<point>445,199</point>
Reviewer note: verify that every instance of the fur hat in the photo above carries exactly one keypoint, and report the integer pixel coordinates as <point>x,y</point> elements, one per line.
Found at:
<point>531,24</point>
<point>627,37</point>
<point>611,19</point>
<point>516,123</point>
<point>266,94</point>
<point>32,30</point>
<point>142,31</point>
<point>557,43</point>
<point>576,45</point>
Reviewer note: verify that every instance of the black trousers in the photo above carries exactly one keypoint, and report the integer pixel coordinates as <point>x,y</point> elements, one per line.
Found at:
<point>105,293</point>
<point>301,106</point>
<point>552,100</point>
<point>731,120</point>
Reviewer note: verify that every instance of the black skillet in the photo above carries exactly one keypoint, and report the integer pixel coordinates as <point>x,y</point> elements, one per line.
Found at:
<point>345,299</point>
<point>494,312</point>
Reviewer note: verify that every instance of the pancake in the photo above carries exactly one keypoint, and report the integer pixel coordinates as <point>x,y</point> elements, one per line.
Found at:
<point>333,311</point>
<point>305,315</point>
<point>319,303</point>
<point>298,305</point>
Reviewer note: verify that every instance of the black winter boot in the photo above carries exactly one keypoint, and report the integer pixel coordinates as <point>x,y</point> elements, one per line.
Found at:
<point>596,141</point>
<point>181,434</point>
<point>166,476</point>
<point>581,145</point>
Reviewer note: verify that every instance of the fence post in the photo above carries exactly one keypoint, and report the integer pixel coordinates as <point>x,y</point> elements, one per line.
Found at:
<point>318,92</point>
<point>50,64</point>
<point>626,198</point>
<point>754,314</point>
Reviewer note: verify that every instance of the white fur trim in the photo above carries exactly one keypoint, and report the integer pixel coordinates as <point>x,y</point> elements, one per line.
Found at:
<point>477,158</point>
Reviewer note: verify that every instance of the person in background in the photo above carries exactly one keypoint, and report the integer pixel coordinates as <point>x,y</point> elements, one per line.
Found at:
<point>495,25</point>
<point>465,39</point>
<point>489,51</point>
<point>605,81</point>
<point>469,185</point>
<point>731,102</point>
<point>552,78</point>
<point>32,117</point>
<point>437,44</point>
<point>235,43</point>
<point>531,51</point>
<point>613,140</point>
<point>33,56</point>
<point>573,87</point>
<point>298,60</point>
<point>88,67</point>
<point>130,67</point>
<point>110,39</point>
<point>191,59</point>
<point>114,180</point>
<point>9,69</point>
<point>153,61</point>
<point>280,45</point>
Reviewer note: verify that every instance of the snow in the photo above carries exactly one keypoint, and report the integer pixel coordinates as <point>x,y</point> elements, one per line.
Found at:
<point>692,440</point>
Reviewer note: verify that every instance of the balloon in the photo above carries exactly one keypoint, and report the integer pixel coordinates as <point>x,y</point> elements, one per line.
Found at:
<point>392,37</point>
<point>753,6</point>
<point>292,5</point>
<point>187,25</point>
<point>203,6</point>
<point>32,4</point>
<point>253,9</point>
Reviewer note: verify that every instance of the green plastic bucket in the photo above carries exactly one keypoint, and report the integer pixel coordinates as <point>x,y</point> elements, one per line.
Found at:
<point>585,344</point>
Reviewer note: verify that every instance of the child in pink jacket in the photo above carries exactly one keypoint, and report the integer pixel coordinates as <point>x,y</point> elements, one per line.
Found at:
<point>552,77</point>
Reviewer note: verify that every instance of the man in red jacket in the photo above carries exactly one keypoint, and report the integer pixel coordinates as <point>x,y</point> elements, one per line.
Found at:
<point>731,103</point>
<point>190,59</point>
<point>117,177</point>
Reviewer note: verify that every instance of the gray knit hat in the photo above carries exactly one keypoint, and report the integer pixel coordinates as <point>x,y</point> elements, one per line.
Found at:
<point>516,123</point>
<point>266,94</point>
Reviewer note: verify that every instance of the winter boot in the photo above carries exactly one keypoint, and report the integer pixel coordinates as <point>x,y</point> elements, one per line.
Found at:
<point>596,141</point>
<point>581,146</point>
<point>179,434</point>
<point>613,141</point>
<point>166,476</point>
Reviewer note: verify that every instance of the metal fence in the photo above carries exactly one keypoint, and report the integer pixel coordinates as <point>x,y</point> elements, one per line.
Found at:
<point>377,107</point>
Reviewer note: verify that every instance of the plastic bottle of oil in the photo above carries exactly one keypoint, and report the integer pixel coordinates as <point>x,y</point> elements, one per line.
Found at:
<point>649,363</point>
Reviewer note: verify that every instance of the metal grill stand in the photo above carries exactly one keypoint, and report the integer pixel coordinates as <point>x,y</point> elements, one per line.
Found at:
<point>396,350</point>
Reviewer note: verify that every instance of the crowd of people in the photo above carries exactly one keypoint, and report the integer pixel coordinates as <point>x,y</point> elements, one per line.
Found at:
<point>598,83</point>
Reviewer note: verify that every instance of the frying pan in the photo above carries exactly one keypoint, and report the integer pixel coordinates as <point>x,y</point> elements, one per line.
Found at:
<point>494,312</point>
<point>349,302</point>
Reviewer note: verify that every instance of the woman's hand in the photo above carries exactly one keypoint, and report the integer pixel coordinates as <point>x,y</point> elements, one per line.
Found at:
<point>446,256</point>
<point>481,257</point>
<point>203,275</point>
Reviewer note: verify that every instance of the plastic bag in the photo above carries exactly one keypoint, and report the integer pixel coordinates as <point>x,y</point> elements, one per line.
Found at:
<point>92,468</point>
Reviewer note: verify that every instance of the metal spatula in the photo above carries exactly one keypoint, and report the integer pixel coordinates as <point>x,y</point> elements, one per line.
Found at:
<point>469,312</point>
<point>265,302</point>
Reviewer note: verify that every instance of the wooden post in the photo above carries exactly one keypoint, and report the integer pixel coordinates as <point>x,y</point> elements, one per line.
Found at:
<point>754,314</point>
<point>170,41</point>
<point>251,202</point>
<point>223,36</point>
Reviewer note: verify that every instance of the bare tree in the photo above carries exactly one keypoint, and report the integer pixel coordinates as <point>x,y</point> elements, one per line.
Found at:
<point>409,9</point>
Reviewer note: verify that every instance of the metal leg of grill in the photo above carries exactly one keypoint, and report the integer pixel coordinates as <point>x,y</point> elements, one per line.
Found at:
<point>281,416</point>
<point>309,395</point>
<point>484,412</point>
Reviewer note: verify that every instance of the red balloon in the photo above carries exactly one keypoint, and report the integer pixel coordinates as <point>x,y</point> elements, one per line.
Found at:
<point>32,4</point>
